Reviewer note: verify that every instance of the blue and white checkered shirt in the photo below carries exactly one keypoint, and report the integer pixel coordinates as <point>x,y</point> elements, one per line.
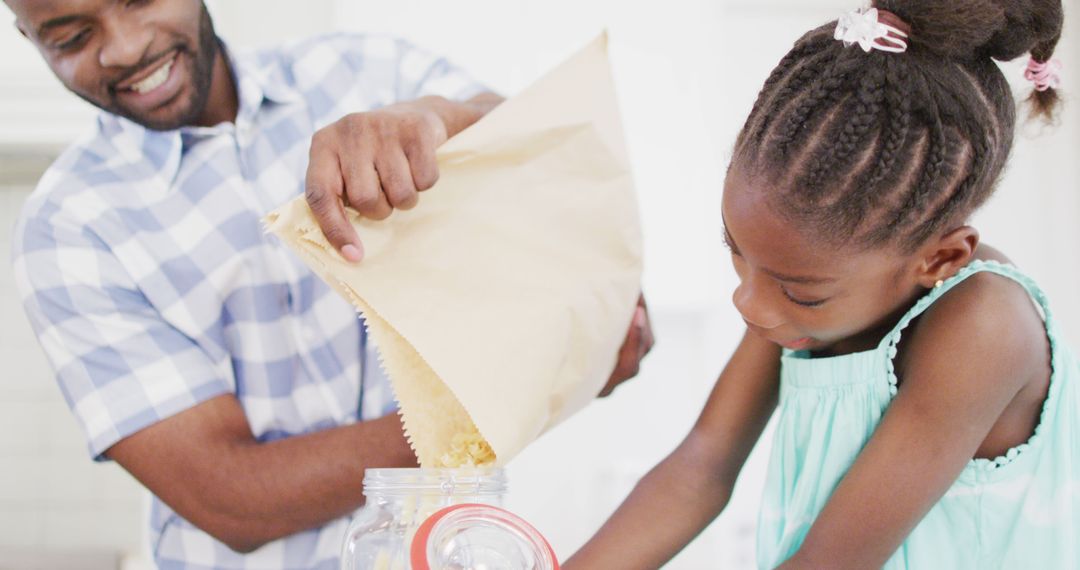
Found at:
<point>152,287</point>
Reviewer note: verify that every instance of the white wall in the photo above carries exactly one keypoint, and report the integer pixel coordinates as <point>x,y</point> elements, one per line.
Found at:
<point>687,72</point>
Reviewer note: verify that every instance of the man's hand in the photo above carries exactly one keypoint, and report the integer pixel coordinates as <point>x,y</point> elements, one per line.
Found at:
<point>379,161</point>
<point>638,343</point>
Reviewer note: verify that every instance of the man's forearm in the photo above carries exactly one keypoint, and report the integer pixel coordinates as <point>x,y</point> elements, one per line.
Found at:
<point>205,464</point>
<point>302,482</point>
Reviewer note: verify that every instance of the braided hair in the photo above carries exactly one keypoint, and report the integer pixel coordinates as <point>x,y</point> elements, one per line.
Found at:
<point>886,148</point>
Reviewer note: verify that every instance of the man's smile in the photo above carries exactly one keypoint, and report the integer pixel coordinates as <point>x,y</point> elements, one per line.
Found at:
<point>154,86</point>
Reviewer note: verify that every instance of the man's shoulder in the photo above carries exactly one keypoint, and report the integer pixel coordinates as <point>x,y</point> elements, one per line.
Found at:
<point>309,60</point>
<point>342,44</point>
<point>75,185</point>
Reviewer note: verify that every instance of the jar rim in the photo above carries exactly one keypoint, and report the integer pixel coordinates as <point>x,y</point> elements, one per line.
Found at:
<point>460,481</point>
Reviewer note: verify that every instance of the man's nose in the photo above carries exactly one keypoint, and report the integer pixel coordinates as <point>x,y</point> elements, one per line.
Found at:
<point>755,307</point>
<point>126,41</point>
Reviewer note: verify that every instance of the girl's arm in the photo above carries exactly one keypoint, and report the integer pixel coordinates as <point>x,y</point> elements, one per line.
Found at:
<point>681,495</point>
<point>971,355</point>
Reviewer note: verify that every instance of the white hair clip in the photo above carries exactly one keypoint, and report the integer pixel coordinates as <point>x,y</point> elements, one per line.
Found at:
<point>863,27</point>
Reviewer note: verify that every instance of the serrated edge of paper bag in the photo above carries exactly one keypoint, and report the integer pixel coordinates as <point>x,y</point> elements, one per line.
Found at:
<point>412,392</point>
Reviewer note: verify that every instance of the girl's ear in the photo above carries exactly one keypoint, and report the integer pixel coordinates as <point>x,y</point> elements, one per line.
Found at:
<point>942,257</point>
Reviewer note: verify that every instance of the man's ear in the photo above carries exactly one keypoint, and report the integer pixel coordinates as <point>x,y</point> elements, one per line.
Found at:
<point>945,255</point>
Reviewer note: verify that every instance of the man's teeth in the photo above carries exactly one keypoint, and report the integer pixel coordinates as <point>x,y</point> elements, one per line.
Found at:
<point>154,80</point>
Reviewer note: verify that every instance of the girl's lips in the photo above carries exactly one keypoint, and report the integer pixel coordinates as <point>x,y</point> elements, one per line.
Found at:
<point>797,344</point>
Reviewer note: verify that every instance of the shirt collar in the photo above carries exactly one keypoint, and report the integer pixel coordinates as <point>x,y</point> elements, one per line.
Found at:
<point>260,77</point>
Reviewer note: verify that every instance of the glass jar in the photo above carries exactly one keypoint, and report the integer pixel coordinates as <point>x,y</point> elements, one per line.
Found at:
<point>440,519</point>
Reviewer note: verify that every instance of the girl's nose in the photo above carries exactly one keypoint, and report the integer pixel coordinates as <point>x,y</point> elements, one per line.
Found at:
<point>754,307</point>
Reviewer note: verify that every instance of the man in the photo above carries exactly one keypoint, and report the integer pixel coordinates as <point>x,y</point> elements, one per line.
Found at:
<point>195,350</point>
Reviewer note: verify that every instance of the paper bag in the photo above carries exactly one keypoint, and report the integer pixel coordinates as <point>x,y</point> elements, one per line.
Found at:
<point>499,303</point>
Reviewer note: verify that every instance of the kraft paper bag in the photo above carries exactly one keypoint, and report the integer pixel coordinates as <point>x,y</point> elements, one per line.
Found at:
<point>499,303</point>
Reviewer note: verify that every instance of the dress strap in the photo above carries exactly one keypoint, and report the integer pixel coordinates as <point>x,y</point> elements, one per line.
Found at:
<point>891,340</point>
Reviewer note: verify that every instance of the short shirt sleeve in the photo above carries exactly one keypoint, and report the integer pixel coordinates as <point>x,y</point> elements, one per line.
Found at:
<point>120,365</point>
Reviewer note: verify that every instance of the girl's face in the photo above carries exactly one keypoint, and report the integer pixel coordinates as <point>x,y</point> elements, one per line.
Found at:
<point>804,296</point>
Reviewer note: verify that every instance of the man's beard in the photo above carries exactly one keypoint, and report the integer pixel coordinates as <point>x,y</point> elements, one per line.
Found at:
<point>201,78</point>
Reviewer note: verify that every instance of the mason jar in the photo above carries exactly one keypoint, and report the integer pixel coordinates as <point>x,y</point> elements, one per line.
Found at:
<point>441,519</point>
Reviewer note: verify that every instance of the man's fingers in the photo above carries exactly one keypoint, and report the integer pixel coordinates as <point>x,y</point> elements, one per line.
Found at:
<point>629,353</point>
<point>423,165</point>
<point>635,346</point>
<point>630,356</point>
<point>363,190</point>
<point>642,322</point>
<point>641,316</point>
<point>373,163</point>
<point>396,179</point>
<point>323,189</point>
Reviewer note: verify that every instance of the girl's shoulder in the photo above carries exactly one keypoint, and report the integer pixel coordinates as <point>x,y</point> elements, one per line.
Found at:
<point>987,319</point>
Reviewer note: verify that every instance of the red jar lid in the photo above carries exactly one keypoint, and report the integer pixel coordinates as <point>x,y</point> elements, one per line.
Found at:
<point>479,536</point>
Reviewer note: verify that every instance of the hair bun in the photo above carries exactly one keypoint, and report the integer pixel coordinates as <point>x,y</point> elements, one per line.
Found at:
<point>1000,29</point>
<point>966,29</point>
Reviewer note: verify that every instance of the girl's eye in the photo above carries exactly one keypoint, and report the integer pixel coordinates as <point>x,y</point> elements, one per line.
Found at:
<point>729,245</point>
<point>800,302</point>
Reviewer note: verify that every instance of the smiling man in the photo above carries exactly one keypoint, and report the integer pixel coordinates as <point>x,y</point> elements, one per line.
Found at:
<point>194,349</point>
<point>134,78</point>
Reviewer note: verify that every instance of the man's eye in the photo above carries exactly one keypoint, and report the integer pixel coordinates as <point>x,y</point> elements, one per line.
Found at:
<point>801,302</point>
<point>74,41</point>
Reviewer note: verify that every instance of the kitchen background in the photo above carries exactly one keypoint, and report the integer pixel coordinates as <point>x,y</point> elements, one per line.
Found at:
<point>687,72</point>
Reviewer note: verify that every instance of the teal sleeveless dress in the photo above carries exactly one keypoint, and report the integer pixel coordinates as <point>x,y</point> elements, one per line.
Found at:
<point>1020,510</point>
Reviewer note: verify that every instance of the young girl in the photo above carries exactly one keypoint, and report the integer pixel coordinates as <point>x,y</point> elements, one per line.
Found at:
<point>928,417</point>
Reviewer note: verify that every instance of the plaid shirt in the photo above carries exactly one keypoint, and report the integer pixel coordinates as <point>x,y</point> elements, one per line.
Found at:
<point>152,287</point>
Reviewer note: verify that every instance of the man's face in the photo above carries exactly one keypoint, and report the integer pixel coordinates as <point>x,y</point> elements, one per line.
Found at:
<point>148,60</point>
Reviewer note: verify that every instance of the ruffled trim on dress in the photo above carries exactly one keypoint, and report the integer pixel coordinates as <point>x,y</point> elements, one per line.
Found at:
<point>1007,270</point>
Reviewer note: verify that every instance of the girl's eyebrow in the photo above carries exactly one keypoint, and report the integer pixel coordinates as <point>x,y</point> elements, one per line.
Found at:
<point>800,279</point>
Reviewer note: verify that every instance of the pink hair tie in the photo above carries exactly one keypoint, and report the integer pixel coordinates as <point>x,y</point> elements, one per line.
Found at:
<point>1045,75</point>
